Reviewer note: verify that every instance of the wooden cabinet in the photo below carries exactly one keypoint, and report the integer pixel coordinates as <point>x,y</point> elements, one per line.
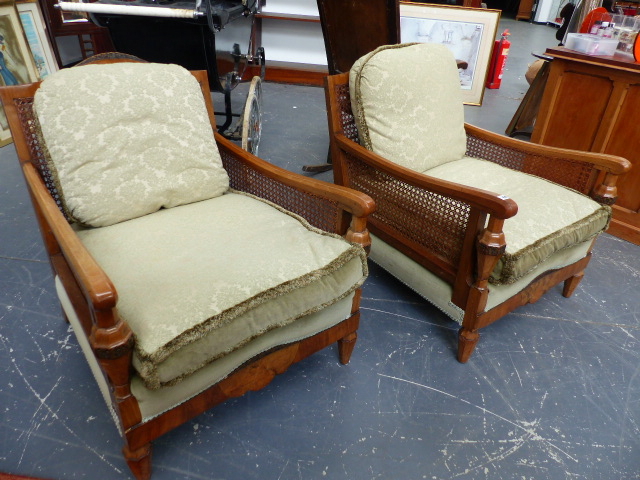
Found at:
<point>525,9</point>
<point>593,103</point>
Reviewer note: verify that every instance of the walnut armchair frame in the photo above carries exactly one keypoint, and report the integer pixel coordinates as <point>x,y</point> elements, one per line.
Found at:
<point>95,300</point>
<point>464,248</point>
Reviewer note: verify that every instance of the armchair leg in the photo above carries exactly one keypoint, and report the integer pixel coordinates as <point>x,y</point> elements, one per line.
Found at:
<point>345,347</point>
<point>139,461</point>
<point>571,283</point>
<point>467,341</point>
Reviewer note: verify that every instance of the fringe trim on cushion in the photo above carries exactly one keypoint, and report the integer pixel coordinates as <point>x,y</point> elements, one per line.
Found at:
<point>149,361</point>
<point>153,382</point>
<point>54,172</point>
<point>507,274</point>
<point>361,122</point>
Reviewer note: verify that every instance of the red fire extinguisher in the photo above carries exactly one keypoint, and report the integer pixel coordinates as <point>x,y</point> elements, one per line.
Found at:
<point>498,60</point>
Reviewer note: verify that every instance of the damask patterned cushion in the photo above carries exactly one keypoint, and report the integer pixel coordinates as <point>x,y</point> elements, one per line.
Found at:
<point>212,276</point>
<point>127,139</point>
<point>407,104</point>
<point>541,227</point>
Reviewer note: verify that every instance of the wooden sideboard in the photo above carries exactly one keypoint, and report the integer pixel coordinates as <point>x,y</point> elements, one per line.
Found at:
<point>593,103</point>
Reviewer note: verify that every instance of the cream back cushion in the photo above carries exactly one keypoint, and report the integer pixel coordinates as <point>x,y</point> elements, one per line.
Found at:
<point>407,104</point>
<point>127,139</point>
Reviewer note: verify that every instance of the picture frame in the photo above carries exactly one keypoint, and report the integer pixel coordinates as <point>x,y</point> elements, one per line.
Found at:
<point>469,33</point>
<point>16,63</point>
<point>35,30</point>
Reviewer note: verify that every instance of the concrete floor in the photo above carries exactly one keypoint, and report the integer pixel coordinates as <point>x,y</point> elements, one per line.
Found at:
<point>551,392</point>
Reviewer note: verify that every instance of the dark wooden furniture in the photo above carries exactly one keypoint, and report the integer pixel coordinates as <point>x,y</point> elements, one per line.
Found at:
<point>525,10</point>
<point>351,29</point>
<point>525,117</point>
<point>591,103</point>
<point>92,39</point>
<point>461,252</point>
<point>94,298</point>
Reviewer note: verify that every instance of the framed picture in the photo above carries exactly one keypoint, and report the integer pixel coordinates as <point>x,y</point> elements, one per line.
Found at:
<point>468,32</point>
<point>16,63</point>
<point>35,31</point>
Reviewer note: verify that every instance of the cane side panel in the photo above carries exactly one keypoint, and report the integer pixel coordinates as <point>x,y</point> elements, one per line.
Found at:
<point>433,221</point>
<point>37,149</point>
<point>347,120</point>
<point>569,173</point>
<point>319,212</point>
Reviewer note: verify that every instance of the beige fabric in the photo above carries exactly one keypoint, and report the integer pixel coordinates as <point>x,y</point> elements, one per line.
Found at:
<point>550,217</point>
<point>438,292</point>
<point>127,139</point>
<point>155,402</point>
<point>212,275</point>
<point>408,106</point>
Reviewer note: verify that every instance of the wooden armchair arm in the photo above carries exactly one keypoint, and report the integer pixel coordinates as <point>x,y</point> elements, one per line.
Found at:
<point>439,224</point>
<point>91,292</point>
<point>97,288</point>
<point>593,174</point>
<point>325,205</point>
<point>492,203</point>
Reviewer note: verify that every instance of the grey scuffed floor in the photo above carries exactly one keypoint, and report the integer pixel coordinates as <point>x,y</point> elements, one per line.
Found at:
<point>552,392</point>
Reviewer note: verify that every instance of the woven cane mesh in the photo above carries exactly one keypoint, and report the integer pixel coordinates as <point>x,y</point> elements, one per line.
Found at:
<point>570,173</point>
<point>318,211</point>
<point>435,222</point>
<point>37,149</point>
<point>347,120</point>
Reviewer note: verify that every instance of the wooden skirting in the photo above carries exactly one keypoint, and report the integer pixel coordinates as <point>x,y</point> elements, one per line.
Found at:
<point>293,75</point>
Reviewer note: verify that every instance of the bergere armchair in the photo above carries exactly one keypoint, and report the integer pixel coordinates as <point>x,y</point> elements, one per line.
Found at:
<point>190,270</point>
<point>477,223</point>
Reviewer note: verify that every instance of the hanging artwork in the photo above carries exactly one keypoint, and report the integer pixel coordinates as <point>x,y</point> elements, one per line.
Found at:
<point>468,32</point>
<point>16,63</point>
<point>35,31</point>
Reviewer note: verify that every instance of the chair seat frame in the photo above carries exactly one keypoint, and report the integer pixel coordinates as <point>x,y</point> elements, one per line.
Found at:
<point>95,299</point>
<point>463,249</point>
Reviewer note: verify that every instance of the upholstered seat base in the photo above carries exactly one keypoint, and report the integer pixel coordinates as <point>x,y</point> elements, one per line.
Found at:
<point>539,229</point>
<point>207,288</point>
<point>438,292</point>
<point>155,402</point>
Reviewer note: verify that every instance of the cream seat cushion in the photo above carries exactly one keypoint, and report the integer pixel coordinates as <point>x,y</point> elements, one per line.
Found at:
<point>550,217</point>
<point>199,281</point>
<point>127,139</point>
<point>407,104</point>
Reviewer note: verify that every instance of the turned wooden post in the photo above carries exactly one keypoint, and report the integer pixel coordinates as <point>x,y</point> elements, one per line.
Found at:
<point>606,192</point>
<point>491,245</point>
